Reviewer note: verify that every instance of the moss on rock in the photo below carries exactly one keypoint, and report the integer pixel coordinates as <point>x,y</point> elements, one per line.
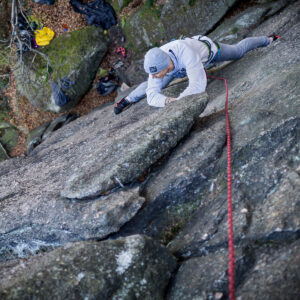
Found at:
<point>75,55</point>
<point>118,5</point>
<point>144,29</point>
<point>155,25</point>
<point>8,136</point>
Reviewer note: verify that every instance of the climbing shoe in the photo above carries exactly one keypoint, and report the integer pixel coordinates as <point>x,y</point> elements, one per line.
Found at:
<point>274,37</point>
<point>121,105</point>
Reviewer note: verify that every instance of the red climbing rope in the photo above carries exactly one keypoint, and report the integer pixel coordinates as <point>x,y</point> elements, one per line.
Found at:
<point>229,196</point>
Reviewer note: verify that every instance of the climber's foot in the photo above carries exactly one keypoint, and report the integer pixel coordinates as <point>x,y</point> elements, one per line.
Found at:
<point>273,38</point>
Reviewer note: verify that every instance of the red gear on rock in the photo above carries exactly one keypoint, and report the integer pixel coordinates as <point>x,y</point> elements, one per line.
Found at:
<point>122,51</point>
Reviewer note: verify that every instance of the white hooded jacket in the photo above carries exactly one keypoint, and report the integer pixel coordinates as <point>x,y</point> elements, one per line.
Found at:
<point>188,55</point>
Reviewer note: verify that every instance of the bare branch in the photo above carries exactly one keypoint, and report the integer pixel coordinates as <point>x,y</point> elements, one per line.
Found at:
<point>12,21</point>
<point>23,42</point>
<point>24,16</point>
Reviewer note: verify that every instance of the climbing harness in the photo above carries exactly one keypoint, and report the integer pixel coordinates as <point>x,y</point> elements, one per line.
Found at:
<point>217,54</point>
<point>229,197</point>
<point>211,54</point>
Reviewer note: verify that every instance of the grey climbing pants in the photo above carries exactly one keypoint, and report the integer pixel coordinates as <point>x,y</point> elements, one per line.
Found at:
<point>237,51</point>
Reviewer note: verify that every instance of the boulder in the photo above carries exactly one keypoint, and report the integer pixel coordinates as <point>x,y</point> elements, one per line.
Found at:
<point>151,27</point>
<point>265,274</point>
<point>8,136</point>
<point>73,57</point>
<point>131,268</point>
<point>47,221</point>
<point>3,153</point>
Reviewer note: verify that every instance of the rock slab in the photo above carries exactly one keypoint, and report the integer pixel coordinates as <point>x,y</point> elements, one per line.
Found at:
<point>126,159</point>
<point>136,267</point>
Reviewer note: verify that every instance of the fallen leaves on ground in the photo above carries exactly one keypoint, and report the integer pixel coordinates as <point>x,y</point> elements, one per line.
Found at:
<point>23,114</point>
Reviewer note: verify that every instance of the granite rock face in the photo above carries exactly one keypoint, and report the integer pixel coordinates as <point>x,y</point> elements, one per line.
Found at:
<point>264,113</point>
<point>129,268</point>
<point>200,18</point>
<point>178,198</point>
<point>234,29</point>
<point>123,160</point>
<point>148,27</point>
<point>196,17</point>
<point>35,183</point>
<point>46,220</point>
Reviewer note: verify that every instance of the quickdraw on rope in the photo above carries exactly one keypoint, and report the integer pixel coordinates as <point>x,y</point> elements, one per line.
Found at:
<point>229,196</point>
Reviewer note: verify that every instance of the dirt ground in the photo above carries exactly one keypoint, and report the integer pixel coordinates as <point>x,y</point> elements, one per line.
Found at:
<point>58,16</point>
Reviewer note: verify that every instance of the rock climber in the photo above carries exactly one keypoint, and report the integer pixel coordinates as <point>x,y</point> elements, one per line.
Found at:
<point>185,57</point>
